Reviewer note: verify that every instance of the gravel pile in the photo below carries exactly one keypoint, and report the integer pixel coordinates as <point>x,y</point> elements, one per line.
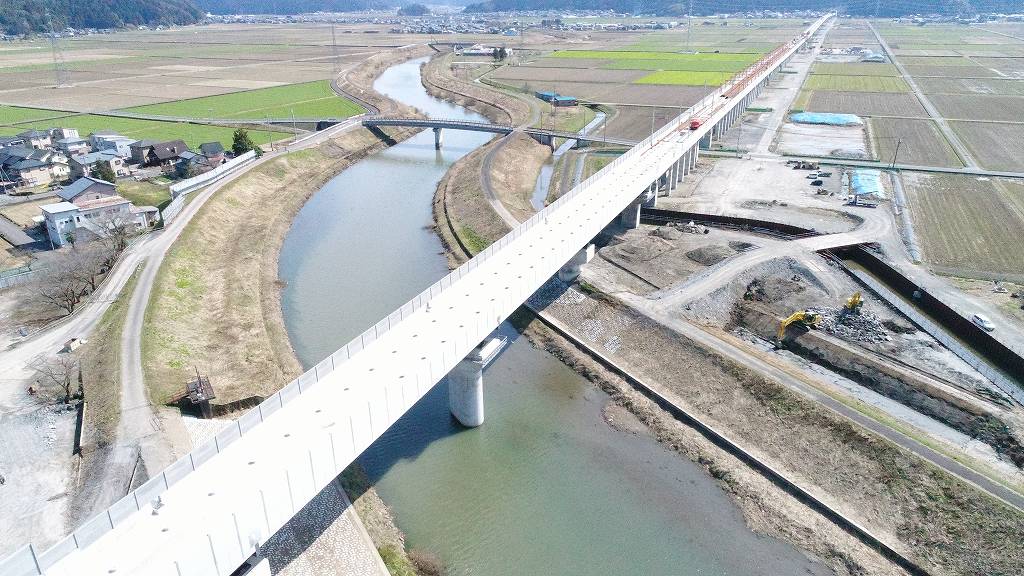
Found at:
<point>667,232</point>
<point>864,327</point>
<point>710,255</point>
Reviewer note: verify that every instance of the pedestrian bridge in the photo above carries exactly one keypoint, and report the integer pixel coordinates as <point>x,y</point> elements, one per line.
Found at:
<point>540,134</point>
<point>210,511</point>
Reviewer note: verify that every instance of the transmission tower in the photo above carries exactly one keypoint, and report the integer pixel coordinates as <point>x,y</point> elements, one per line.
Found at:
<point>334,50</point>
<point>61,75</point>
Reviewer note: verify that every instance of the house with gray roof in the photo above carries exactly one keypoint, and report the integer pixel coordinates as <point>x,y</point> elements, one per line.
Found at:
<point>87,188</point>
<point>83,165</point>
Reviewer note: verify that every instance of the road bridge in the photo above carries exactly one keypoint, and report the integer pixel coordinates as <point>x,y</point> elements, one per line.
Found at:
<point>541,135</point>
<point>210,511</point>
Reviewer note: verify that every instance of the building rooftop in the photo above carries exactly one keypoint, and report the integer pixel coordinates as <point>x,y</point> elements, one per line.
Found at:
<point>114,200</point>
<point>81,185</point>
<point>58,207</point>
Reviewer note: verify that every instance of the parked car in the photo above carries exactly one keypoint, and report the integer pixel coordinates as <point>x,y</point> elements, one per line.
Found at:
<point>824,174</point>
<point>812,175</point>
<point>983,322</point>
<point>816,183</point>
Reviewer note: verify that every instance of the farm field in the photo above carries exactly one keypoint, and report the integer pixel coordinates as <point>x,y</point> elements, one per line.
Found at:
<point>15,115</point>
<point>966,226</point>
<point>854,69</point>
<point>997,146</point>
<point>855,83</point>
<point>920,142</point>
<point>192,134</point>
<point>861,103</point>
<point>686,78</point>
<point>308,100</point>
<point>979,107</point>
<point>994,86</point>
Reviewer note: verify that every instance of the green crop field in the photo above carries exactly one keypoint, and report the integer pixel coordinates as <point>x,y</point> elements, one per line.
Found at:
<point>192,134</point>
<point>15,114</point>
<point>693,65</point>
<point>855,83</point>
<point>641,55</point>
<point>306,100</point>
<point>685,78</point>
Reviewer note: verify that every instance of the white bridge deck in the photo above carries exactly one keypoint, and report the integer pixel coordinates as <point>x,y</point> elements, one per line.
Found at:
<point>207,513</point>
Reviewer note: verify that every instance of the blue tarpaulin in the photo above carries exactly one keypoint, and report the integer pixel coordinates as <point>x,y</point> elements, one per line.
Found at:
<point>826,118</point>
<point>867,183</point>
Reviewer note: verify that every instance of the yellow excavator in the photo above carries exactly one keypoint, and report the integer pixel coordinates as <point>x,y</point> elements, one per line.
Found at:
<point>853,304</point>
<point>800,318</point>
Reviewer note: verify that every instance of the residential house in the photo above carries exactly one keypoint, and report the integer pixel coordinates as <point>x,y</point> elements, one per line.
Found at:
<point>214,153</point>
<point>87,188</point>
<point>31,167</point>
<point>190,164</point>
<point>139,150</point>
<point>72,146</point>
<point>165,153</point>
<point>37,139</point>
<point>112,142</point>
<point>11,142</point>
<point>89,219</point>
<point>63,133</point>
<point>83,165</point>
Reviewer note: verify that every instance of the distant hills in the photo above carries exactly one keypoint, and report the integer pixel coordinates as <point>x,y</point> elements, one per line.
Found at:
<point>30,16</point>
<point>287,6</point>
<point>705,7</point>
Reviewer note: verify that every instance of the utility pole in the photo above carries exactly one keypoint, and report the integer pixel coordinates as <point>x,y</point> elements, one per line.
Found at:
<point>334,49</point>
<point>898,143</point>
<point>60,71</point>
<point>689,24</point>
<point>295,134</point>
<point>739,131</point>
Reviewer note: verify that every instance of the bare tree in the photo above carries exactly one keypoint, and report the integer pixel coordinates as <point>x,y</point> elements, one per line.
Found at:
<point>117,230</point>
<point>59,372</point>
<point>61,284</point>
<point>92,260</point>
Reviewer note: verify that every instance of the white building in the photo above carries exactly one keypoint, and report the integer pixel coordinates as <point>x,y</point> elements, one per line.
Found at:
<point>110,142</point>
<point>89,219</point>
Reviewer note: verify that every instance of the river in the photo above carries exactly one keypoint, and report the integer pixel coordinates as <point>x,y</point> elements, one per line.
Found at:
<point>545,486</point>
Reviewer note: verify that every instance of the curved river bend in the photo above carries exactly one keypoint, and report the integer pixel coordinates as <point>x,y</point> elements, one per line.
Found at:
<point>545,486</point>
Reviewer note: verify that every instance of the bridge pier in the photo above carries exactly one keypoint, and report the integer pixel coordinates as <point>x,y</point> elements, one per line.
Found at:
<point>437,139</point>
<point>673,180</point>
<point>630,217</point>
<point>466,390</point>
<point>649,199</point>
<point>571,270</point>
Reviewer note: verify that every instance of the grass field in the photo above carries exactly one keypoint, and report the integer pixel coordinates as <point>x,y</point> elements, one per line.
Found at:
<point>920,142</point>
<point>306,100</point>
<point>685,78</point>
<point>192,134</point>
<point>967,224</point>
<point>855,83</point>
<point>15,114</point>
<point>145,193</point>
<point>694,65</point>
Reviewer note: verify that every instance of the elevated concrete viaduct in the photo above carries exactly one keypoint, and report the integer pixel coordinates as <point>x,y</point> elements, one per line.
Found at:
<point>210,511</point>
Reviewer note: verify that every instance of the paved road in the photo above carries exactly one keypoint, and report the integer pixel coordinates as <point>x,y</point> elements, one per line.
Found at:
<point>951,136</point>
<point>13,233</point>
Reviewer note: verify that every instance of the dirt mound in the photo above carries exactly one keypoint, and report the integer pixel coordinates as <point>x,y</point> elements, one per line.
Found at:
<point>773,288</point>
<point>641,250</point>
<point>898,327</point>
<point>710,255</point>
<point>741,246</point>
<point>862,327</point>
<point>667,232</point>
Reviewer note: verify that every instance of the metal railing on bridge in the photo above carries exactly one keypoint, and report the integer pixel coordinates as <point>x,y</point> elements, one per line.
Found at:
<point>27,562</point>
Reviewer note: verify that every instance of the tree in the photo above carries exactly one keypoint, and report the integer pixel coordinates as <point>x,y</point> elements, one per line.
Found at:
<point>117,231</point>
<point>242,143</point>
<point>414,10</point>
<point>61,283</point>
<point>59,372</point>
<point>103,171</point>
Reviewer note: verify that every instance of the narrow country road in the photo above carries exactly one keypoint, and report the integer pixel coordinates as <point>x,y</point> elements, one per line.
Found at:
<point>947,131</point>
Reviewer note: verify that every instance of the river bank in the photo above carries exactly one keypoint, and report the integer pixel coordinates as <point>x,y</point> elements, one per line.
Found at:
<point>915,516</point>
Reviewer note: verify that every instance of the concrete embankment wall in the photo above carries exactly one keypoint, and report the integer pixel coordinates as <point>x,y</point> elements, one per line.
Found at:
<point>970,415</point>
